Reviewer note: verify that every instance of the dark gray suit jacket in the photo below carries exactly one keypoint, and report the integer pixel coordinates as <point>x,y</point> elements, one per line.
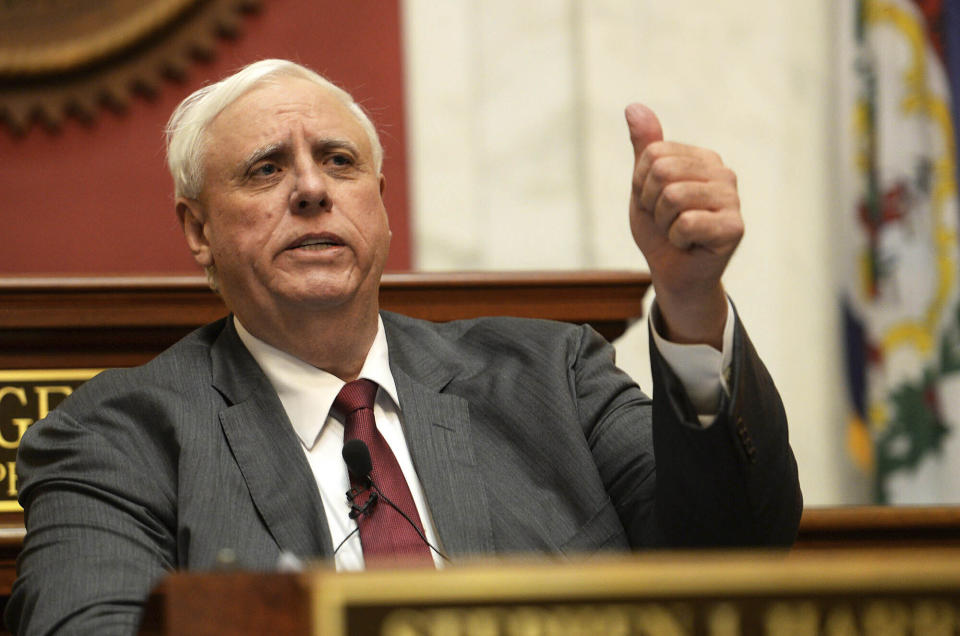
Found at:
<point>525,435</point>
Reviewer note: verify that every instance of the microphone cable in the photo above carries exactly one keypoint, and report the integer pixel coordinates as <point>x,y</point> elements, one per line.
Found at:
<point>409,520</point>
<point>356,454</point>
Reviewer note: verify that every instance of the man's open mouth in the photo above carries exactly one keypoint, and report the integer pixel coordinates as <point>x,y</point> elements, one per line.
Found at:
<point>317,242</point>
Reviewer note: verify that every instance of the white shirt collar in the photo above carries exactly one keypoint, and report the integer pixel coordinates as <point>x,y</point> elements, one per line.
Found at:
<point>307,393</point>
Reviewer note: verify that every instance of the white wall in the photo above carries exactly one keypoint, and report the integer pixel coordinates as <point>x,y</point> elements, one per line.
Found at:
<point>520,159</point>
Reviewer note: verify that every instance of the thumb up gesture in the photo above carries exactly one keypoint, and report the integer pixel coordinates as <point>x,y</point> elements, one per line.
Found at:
<point>685,218</point>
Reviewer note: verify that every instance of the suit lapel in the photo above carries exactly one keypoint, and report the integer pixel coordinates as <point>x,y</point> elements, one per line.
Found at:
<point>267,450</point>
<point>437,428</point>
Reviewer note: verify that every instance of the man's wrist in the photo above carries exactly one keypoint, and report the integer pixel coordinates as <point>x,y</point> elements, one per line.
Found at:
<point>701,369</point>
<point>698,321</point>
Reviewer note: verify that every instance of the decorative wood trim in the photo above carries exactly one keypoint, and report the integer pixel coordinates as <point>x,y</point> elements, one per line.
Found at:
<point>123,321</point>
<point>879,526</point>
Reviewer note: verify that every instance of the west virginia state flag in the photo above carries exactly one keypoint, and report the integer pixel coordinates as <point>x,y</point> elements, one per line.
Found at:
<point>899,247</point>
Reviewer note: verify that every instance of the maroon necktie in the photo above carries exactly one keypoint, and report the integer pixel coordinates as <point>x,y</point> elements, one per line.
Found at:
<point>387,538</point>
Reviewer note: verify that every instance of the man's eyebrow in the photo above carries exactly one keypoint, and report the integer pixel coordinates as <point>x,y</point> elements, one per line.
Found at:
<point>260,153</point>
<point>338,144</point>
<point>325,145</point>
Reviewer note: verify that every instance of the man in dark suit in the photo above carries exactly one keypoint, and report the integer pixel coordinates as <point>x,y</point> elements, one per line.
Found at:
<point>494,435</point>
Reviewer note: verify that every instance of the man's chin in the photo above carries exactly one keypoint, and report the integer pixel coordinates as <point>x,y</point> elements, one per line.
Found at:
<point>299,295</point>
<point>320,299</point>
<point>324,294</point>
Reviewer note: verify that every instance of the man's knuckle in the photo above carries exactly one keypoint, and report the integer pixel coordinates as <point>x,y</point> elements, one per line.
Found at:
<point>713,157</point>
<point>674,195</point>
<point>727,176</point>
<point>662,170</point>
<point>686,223</point>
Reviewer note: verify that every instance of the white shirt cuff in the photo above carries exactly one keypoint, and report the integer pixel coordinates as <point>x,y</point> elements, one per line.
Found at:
<point>701,369</point>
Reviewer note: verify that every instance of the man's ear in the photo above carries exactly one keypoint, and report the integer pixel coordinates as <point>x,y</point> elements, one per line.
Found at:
<point>191,215</point>
<point>383,186</point>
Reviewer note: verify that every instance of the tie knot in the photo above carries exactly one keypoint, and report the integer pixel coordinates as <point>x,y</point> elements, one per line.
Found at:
<point>356,395</point>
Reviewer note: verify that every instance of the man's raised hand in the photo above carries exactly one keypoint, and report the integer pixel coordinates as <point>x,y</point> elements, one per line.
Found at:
<point>685,218</point>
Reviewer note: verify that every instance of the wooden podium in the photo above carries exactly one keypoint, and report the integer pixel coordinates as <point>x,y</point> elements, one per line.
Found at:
<point>659,594</point>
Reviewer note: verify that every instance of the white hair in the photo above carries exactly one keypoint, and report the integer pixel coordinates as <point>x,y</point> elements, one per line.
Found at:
<point>186,141</point>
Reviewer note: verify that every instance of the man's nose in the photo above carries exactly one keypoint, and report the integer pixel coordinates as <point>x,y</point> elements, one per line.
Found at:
<point>311,192</point>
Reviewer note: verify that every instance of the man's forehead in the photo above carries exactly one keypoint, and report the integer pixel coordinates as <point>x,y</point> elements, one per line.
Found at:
<point>268,109</point>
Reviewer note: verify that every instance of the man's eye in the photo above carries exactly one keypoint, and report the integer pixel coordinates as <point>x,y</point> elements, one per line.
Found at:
<point>341,160</point>
<point>265,169</point>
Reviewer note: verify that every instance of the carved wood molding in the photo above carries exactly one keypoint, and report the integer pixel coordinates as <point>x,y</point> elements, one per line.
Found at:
<point>101,322</point>
<point>67,57</point>
<point>879,527</point>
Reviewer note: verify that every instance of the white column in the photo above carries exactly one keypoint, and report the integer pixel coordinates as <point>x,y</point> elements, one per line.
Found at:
<point>520,159</point>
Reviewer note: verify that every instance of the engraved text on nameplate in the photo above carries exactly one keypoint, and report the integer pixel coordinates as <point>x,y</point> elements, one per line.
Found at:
<point>26,397</point>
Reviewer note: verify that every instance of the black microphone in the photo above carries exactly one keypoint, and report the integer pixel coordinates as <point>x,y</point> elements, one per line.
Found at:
<point>357,457</point>
<point>356,454</point>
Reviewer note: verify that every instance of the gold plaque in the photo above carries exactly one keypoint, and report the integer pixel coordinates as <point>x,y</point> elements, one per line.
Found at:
<point>737,593</point>
<point>51,36</point>
<point>25,397</point>
<point>61,57</point>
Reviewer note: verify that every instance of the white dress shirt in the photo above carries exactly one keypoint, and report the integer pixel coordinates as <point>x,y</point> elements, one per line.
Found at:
<point>307,394</point>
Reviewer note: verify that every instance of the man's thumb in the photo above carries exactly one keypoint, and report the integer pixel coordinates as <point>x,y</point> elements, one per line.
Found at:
<point>644,127</point>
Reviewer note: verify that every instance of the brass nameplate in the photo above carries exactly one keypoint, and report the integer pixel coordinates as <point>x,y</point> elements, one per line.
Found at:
<point>935,613</point>
<point>25,397</point>
<point>862,593</point>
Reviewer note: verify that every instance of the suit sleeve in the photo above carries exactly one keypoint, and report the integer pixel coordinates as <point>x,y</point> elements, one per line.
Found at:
<point>677,484</point>
<point>99,515</point>
<point>734,483</point>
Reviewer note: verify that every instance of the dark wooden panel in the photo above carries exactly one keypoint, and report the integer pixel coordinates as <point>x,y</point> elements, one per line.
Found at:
<point>229,603</point>
<point>102,322</point>
<point>879,527</point>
